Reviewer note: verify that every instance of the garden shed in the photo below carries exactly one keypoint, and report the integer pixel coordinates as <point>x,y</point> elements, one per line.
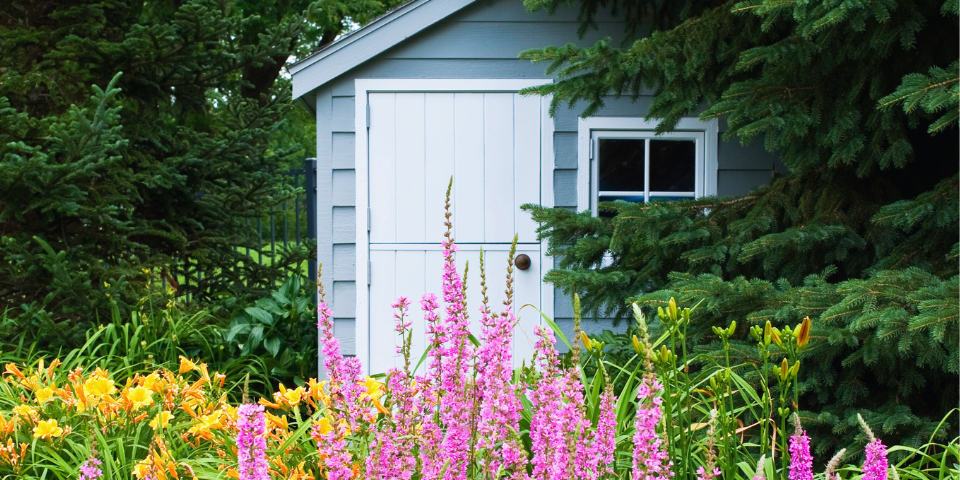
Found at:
<point>429,91</point>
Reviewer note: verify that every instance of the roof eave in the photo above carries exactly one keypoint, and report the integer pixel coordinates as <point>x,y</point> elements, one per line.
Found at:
<point>370,40</point>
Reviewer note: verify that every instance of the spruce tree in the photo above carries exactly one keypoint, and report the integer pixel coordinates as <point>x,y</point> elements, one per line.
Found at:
<point>140,137</point>
<point>860,101</point>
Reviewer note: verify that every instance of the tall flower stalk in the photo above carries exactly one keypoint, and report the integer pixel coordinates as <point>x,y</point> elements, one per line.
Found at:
<point>875,466</point>
<point>801,462</point>
<point>251,444</point>
<point>650,458</point>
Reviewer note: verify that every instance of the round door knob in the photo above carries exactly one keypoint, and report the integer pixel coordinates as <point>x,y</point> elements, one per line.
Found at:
<point>522,261</point>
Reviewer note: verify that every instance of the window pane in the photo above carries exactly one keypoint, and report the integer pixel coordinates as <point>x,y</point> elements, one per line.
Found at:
<point>626,198</point>
<point>620,164</point>
<point>672,165</point>
<point>611,198</point>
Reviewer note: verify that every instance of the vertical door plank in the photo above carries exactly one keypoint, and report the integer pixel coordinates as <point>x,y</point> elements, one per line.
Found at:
<point>439,151</point>
<point>410,168</point>
<point>383,338</point>
<point>526,163</point>
<point>468,168</point>
<point>382,172</point>
<point>498,171</point>
<point>528,287</point>
<point>411,283</point>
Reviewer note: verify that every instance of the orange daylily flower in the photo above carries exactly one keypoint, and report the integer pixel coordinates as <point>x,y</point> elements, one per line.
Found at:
<point>47,429</point>
<point>11,369</point>
<point>186,365</point>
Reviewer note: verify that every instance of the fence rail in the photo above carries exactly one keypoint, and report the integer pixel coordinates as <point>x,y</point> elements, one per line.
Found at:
<point>304,213</point>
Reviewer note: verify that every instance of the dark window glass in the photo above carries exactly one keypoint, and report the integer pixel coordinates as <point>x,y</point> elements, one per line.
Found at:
<point>672,165</point>
<point>611,198</point>
<point>620,164</point>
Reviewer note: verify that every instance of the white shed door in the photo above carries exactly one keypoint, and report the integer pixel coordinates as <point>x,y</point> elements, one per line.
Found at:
<point>490,143</point>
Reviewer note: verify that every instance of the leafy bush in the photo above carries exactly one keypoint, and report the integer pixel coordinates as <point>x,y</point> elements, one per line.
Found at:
<point>279,330</point>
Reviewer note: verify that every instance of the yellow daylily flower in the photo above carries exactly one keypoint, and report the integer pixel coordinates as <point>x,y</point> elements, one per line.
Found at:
<point>47,429</point>
<point>161,420</point>
<point>24,411</point>
<point>324,426</point>
<point>374,389</point>
<point>139,397</point>
<point>99,387</point>
<point>43,394</point>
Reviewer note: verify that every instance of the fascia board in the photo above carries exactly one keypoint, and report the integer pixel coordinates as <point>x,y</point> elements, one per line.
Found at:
<point>369,41</point>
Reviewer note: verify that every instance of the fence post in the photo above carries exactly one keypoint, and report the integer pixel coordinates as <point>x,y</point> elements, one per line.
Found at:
<point>310,185</point>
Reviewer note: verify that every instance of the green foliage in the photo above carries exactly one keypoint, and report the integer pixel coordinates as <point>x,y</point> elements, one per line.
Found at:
<point>281,331</point>
<point>860,100</point>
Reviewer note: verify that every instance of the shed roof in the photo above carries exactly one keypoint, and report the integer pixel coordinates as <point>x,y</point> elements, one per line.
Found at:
<point>368,41</point>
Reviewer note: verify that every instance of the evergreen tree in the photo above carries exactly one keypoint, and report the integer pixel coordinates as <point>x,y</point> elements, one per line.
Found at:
<point>140,136</point>
<point>860,101</point>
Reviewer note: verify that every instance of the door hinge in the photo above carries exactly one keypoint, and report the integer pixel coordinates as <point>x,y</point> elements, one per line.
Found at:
<point>369,271</point>
<point>368,219</point>
<point>368,115</point>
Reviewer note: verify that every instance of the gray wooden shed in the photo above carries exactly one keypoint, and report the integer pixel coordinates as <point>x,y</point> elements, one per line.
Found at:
<point>429,91</point>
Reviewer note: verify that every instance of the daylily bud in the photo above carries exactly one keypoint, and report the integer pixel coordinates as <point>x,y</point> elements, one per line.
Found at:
<point>665,355</point>
<point>767,333</point>
<point>717,331</point>
<point>662,314</point>
<point>672,308</point>
<point>756,332</point>
<point>726,376</point>
<point>586,341</point>
<point>803,335</point>
<point>732,329</point>
<point>784,369</point>
<point>795,369</point>
<point>636,345</point>
<point>713,383</point>
<point>775,333</point>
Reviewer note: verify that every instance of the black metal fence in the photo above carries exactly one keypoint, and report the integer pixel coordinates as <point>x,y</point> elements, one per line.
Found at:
<point>291,223</point>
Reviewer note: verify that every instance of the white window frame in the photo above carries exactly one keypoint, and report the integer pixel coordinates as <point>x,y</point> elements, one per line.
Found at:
<point>590,129</point>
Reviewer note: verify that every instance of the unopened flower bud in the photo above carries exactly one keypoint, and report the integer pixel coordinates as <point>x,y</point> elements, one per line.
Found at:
<point>784,370</point>
<point>586,341</point>
<point>732,328</point>
<point>767,333</point>
<point>636,345</point>
<point>672,308</point>
<point>803,332</point>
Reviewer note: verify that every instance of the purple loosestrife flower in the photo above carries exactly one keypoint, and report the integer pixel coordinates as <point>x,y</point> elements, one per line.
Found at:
<point>875,466</point>
<point>650,459</point>
<point>801,463</point>
<point>345,389</point>
<point>251,443</point>
<point>90,469</point>
<point>595,458</point>
<point>709,471</point>
<point>431,434</point>
<point>499,406</point>
<point>554,421</point>
<point>391,451</point>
